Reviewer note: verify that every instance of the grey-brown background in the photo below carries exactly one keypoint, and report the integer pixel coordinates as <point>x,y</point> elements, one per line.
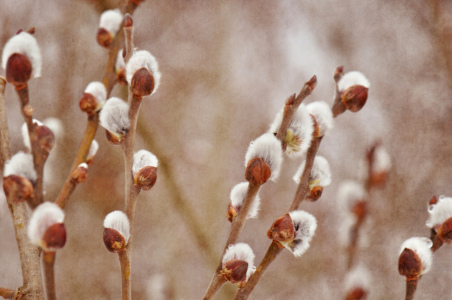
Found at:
<point>227,68</point>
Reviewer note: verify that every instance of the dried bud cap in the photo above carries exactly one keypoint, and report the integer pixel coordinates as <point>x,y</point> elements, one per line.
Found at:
<point>231,213</point>
<point>282,230</point>
<point>113,240</point>
<point>117,231</point>
<point>121,76</point>
<point>18,69</point>
<point>46,138</point>
<point>54,237</point>
<point>88,103</point>
<point>104,37</point>
<point>146,177</point>
<point>80,174</point>
<point>445,231</point>
<point>113,139</point>
<point>315,194</point>
<point>355,97</point>
<point>312,83</point>
<point>410,264</point>
<point>257,172</point>
<point>357,293</point>
<point>136,2</point>
<point>17,188</point>
<point>433,201</point>
<point>338,73</point>
<point>128,21</point>
<point>142,83</point>
<point>235,270</point>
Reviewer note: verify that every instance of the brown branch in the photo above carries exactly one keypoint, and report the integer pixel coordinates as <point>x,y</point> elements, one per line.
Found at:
<point>7,293</point>
<point>338,105</point>
<point>48,263</point>
<point>4,133</point>
<point>411,286</point>
<point>128,31</point>
<point>124,261</point>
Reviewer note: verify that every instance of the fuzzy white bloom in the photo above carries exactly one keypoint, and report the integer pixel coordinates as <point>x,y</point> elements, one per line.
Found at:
<point>111,20</point>
<point>267,147</point>
<point>305,225</point>
<point>320,173</point>
<point>439,212</point>
<point>243,252</point>
<point>97,89</point>
<point>349,193</point>
<point>115,117</point>
<point>352,78</point>
<point>118,221</point>
<point>299,133</point>
<point>142,159</point>
<point>237,196</point>
<point>93,149</point>
<point>358,277</point>
<point>25,136</point>
<point>420,245</point>
<point>83,165</point>
<point>120,63</point>
<point>382,160</point>
<point>144,59</point>
<point>25,44</point>
<point>55,124</point>
<point>44,216</point>
<point>21,164</point>
<point>323,116</point>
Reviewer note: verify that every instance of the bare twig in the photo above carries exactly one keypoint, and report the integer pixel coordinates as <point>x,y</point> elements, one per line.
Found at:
<point>7,293</point>
<point>124,261</point>
<point>4,133</point>
<point>48,263</point>
<point>411,286</point>
<point>128,31</point>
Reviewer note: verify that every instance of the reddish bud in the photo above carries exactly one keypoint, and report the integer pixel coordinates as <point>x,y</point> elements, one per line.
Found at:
<point>104,37</point>
<point>338,73</point>
<point>113,240</point>
<point>112,138</point>
<point>445,231</point>
<point>17,188</point>
<point>235,270</point>
<point>121,76</point>
<point>80,174</point>
<point>282,230</point>
<point>232,212</point>
<point>315,194</point>
<point>136,2</point>
<point>258,171</point>
<point>46,138</point>
<point>18,69</point>
<point>410,264</point>
<point>54,237</point>
<point>356,294</point>
<point>31,30</point>
<point>142,83</point>
<point>128,21</point>
<point>146,177</point>
<point>433,201</point>
<point>312,83</point>
<point>88,103</point>
<point>355,97</point>
<point>360,210</point>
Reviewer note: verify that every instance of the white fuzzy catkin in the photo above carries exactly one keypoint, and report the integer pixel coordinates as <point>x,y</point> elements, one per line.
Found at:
<point>302,128</point>
<point>142,159</point>
<point>111,20</point>
<point>118,221</point>
<point>267,147</point>
<point>114,117</point>
<point>420,245</point>
<point>352,78</point>
<point>382,160</point>
<point>25,44</point>
<point>320,173</point>
<point>25,136</point>
<point>21,164</point>
<point>323,116</point>
<point>98,90</point>
<point>349,193</point>
<point>237,196</point>
<point>56,125</point>
<point>439,212</point>
<point>143,59</point>
<point>305,225</point>
<point>358,277</point>
<point>120,63</point>
<point>93,149</point>
<point>44,216</point>
<point>243,252</point>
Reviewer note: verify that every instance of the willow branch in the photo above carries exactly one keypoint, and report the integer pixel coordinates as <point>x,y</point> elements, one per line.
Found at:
<point>4,133</point>
<point>338,105</point>
<point>48,262</point>
<point>7,293</point>
<point>411,286</point>
<point>124,261</point>
<point>128,31</point>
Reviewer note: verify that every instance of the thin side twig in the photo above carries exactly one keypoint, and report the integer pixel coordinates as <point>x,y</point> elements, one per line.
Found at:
<point>48,263</point>
<point>4,133</point>
<point>124,261</point>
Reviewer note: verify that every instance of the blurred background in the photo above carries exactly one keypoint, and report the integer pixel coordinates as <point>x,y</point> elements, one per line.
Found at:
<point>227,69</point>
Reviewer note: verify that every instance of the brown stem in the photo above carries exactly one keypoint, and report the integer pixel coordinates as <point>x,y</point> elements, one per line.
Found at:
<point>38,157</point>
<point>7,293</point>
<point>4,133</point>
<point>338,105</point>
<point>48,262</point>
<point>437,243</point>
<point>236,227</point>
<point>291,107</point>
<point>124,261</point>
<point>269,257</point>
<point>354,233</point>
<point>128,31</point>
<point>411,286</point>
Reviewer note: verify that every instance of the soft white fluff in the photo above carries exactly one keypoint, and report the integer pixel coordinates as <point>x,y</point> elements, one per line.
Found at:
<point>142,159</point>
<point>97,89</point>
<point>114,117</point>
<point>144,59</point>
<point>382,160</point>
<point>118,221</point>
<point>93,149</point>
<point>25,136</point>
<point>420,245</point>
<point>24,43</point>
<point>352,78</point>
<point>358,277</point>
<point>120,63</point>
<point>302,128</point>
<point>323,116</point>
<point>267,147</point>
<point>111,20</point>
<point>243,252</point>
<point>44,216</point>
<point>305,225</point>
<point>320,172</point>
<point>56,125</point>
<point>21,164</point>
<point>157,287</point>
<point>238,194</point>
<point>349,193</point>
<point>439,212</point>
<point>83,165</point>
